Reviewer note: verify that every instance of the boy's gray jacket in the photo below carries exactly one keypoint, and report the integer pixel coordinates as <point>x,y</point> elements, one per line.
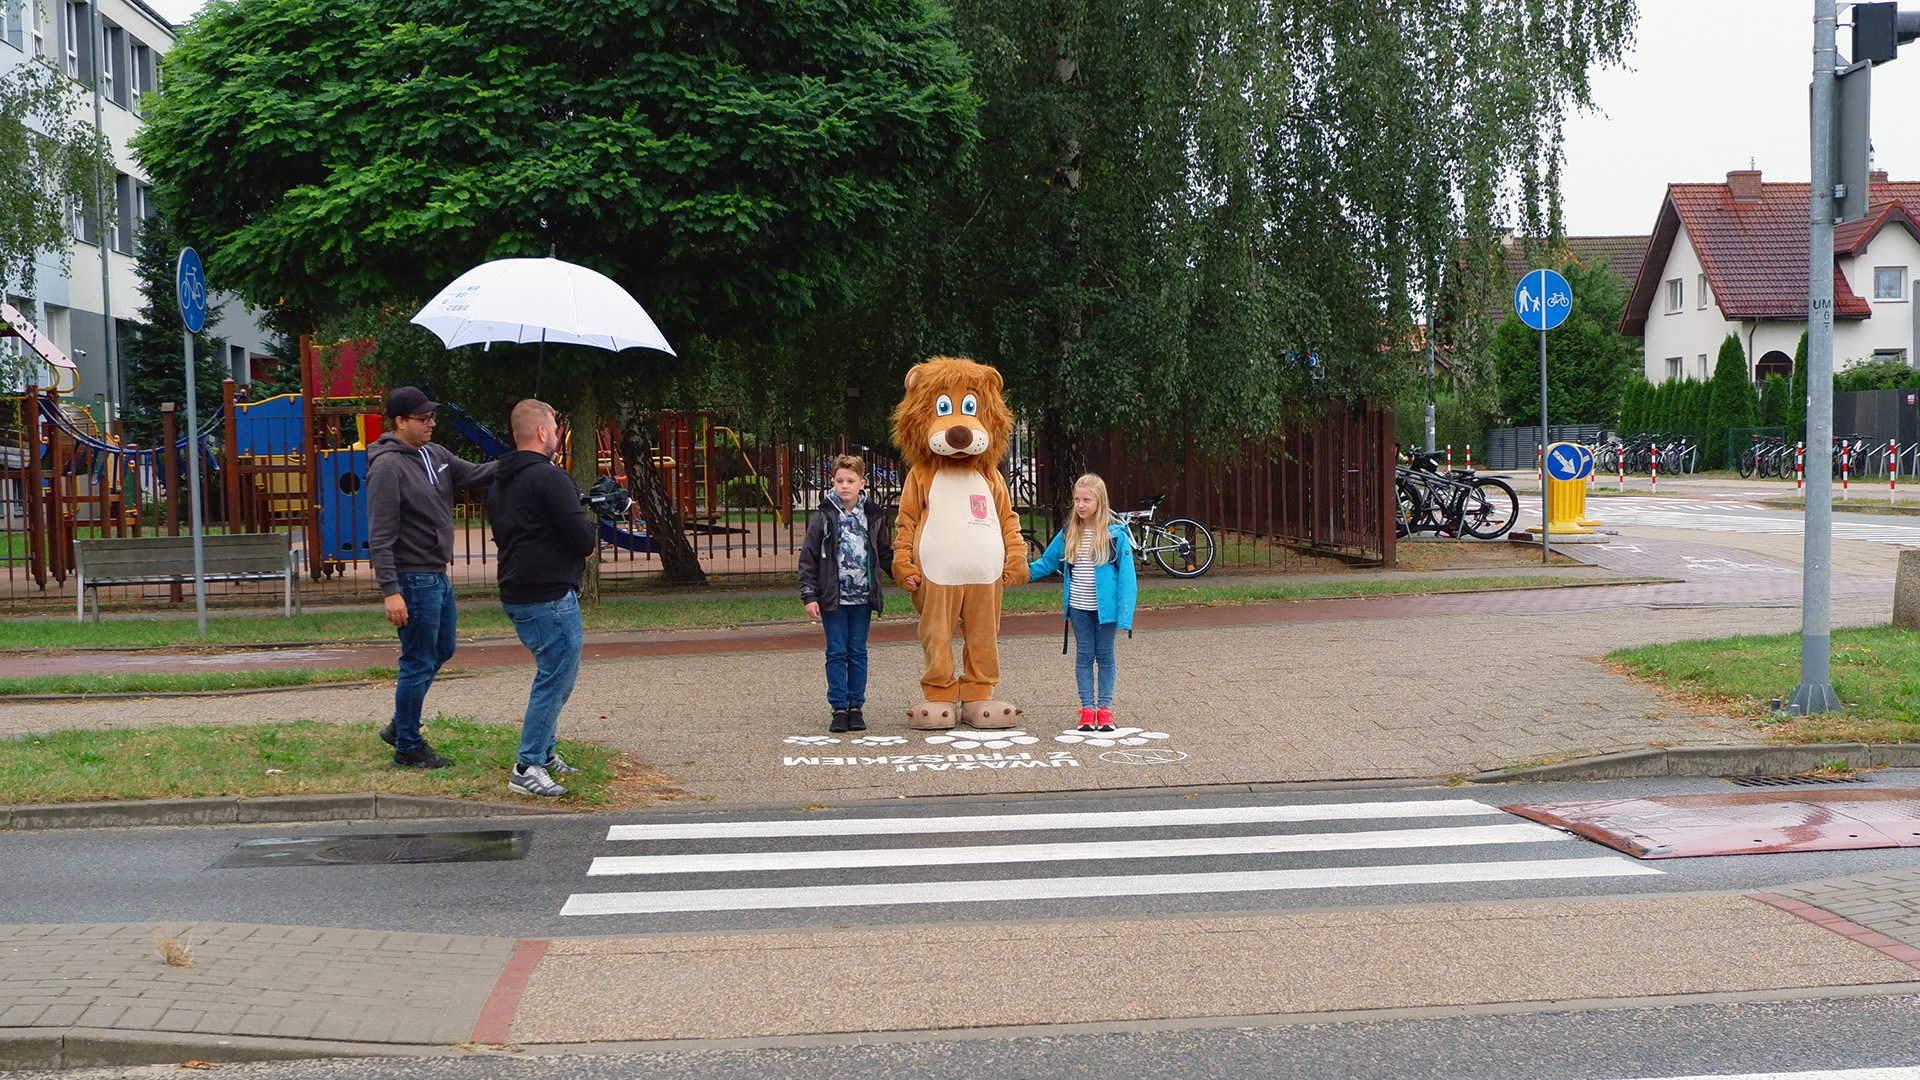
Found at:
<point>410,507</point>
<point>820,553</point>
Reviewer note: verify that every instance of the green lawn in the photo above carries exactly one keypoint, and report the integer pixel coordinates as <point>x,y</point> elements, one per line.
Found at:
<point>177,682</point>
<point>1874,670</point>
<point>706,611</point>
<point>291,758</point>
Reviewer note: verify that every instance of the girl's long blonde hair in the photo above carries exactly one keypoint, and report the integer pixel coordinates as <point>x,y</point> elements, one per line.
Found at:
<point>1102,517</point>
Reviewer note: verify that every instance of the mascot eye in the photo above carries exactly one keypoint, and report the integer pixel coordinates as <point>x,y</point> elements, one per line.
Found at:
<point>970,405</point>
<point>943,406</point>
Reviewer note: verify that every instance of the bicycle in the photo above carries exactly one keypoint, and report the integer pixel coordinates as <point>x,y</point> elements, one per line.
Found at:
<point>1451,503</point>
<point>1182,547</point>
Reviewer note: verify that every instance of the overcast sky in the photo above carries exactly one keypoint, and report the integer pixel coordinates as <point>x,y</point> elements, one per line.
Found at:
<point>1710,86</point>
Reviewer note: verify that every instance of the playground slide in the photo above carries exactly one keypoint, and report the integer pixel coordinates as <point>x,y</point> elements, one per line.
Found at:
<point>493,446</point>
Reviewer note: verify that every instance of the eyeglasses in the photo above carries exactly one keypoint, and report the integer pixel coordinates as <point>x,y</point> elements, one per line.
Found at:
<point>424,418</point>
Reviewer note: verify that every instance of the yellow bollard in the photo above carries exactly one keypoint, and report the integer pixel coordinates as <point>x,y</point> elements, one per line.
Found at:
<point>1567,467</point>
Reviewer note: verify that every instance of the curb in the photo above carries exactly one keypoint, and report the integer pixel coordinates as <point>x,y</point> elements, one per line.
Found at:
<point>1719,761</point>
<point>233,810</point>
<point>89,1048</point>
<point>68,699</point>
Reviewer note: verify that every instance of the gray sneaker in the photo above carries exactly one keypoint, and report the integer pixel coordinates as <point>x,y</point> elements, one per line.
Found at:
<point>533,780</point>
<point>558,767</point>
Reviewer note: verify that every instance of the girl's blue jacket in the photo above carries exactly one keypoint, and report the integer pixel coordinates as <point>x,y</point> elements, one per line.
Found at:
<point>1113,581</point>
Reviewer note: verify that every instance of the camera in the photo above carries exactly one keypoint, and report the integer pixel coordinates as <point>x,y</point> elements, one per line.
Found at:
<point>607,499</point>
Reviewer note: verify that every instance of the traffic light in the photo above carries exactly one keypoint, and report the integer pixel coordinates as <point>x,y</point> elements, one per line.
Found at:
<point>1880,29</point>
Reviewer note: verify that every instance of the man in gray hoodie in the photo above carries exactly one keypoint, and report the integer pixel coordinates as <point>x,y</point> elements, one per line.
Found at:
<point>410,493</point>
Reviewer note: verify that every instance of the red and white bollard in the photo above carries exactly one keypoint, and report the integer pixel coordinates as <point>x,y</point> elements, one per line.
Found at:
<point>1620,459</point>
<point>1893,469</point>
<point>1449,457</point>
<point>1653,469</point>
<point>1846,465</point>
<point>1540,464</point>
<point>1469,457</point>
<point>1799,465</point>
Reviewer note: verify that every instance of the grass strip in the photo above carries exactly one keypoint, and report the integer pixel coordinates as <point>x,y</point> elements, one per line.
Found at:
<point>618,614</point>
<point>1874,670</point>
<point>298,757</point>
<point>186,682</point>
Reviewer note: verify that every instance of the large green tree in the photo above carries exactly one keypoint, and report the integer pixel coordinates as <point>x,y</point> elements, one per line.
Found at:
<point>1732,402</point>
<point>728,162</point>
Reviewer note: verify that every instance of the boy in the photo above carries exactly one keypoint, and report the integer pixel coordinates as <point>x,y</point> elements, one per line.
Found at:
<point>847,542</point>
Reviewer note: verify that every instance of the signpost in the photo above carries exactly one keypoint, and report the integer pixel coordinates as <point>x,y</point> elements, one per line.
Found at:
<point>190,286</point>
<point>1543,301</point>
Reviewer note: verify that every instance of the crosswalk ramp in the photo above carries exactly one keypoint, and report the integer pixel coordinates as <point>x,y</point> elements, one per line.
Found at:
<point>810,862</point>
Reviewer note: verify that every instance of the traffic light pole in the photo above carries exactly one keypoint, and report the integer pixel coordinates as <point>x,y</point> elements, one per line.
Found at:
<point>1815,692</point>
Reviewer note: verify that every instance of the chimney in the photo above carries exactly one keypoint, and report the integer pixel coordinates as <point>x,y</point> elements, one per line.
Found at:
<point>1877,176</point>
<point>1744,185</point>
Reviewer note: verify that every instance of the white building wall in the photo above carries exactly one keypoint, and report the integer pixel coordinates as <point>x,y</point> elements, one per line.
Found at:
<point>1892,326</point>
<point>1690,332</point>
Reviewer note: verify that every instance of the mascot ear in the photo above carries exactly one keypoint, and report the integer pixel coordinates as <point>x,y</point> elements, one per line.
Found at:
<point>993,376</point>
<point>912,374</point>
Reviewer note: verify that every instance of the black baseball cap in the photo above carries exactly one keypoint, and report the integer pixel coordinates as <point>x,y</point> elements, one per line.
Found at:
<point>409,401</point>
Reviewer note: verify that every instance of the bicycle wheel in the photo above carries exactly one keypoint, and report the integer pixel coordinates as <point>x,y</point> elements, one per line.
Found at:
<point>1408,510</point>
<point>1749,461</point>
<point>1183,547</point>
<point>1488,509</point>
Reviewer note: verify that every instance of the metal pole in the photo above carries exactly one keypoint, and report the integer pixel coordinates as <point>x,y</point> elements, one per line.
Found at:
<point>1429,336</point>
<point>1815,692</point>
<point>1546,550</point>
<point>193,491</point>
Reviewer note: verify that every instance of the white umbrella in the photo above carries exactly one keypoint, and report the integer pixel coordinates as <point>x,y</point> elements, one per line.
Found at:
<point>544,300</point>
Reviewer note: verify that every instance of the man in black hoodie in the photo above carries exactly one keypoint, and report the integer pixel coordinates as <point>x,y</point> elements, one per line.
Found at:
<point>410,485</point>
<point>544,538</point>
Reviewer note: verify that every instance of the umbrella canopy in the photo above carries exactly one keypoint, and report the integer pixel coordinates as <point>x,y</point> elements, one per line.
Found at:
<point>544,300</point>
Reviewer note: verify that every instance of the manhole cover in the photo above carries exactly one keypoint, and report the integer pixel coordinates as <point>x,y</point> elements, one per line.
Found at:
<point>491,846</point>
<point>1143,757</point>
<point>1741,822</point>
<point>1787,781</point>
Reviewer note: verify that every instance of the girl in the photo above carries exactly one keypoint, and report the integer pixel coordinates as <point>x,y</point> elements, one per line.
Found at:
<point>1096,559</point>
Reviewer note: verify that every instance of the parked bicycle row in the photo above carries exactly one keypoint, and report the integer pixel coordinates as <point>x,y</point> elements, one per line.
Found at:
<point>1847,456</point>
<point>1450,502</point>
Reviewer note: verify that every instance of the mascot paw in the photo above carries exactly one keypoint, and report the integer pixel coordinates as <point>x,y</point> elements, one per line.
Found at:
<point>931,716</point>
<point>989,714</point>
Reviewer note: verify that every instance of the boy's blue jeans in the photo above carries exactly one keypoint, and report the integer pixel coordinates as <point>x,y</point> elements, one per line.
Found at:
<point>426,642</point>
<point>1092,645</point>
<point>846,628</point>
<point>551,632</point>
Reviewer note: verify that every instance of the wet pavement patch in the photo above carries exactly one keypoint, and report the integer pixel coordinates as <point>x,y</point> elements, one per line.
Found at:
<point>372,850</point>
<point>1740,823</point>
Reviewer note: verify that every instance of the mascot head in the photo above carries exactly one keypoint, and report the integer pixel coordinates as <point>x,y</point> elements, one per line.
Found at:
<point>953,414</point>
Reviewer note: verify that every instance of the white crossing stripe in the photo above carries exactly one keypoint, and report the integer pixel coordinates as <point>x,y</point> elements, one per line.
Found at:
<point>948,892</point>
<point>1898,1073</point>
<point>1116,849</point>
<point>1119,819</point>
<point>1773,526</point>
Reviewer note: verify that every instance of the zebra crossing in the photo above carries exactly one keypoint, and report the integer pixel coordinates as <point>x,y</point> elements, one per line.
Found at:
<point>1736,517</point>
<point>810,862</point>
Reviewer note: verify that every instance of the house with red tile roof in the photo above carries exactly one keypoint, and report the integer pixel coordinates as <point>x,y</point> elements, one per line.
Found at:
<point>1732,258</point>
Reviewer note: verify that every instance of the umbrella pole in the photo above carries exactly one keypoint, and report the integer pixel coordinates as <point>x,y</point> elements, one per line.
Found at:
<point>540,362</point>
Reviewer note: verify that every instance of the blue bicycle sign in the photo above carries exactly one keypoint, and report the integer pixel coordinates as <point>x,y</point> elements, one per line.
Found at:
<point>1542,299</point>
<point>190,284</point>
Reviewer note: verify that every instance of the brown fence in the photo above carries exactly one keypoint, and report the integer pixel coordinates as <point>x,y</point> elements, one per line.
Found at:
<point>743,496</point>
<point>1325,489</point>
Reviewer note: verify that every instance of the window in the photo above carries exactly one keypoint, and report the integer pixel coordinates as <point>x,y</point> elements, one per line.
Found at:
<point>142,207</point>
<point>1700,293</point>
<point>1700,366</point>
<point>1676,295</point>
<point>113,65</point>
<point>1673,368</point>
<point>139,74</point>
<point>16,29</point>
<point>1889,283</point>
<point>86,221</point>
<point>124,204</point>
<point>71,39</point>
<point>1898,356</point>
<point>38,36</point>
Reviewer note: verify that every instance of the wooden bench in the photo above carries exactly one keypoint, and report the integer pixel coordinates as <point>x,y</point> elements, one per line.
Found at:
<point>166,560</point>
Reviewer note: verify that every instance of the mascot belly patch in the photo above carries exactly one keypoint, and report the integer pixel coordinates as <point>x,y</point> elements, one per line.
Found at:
<point>960,542</point>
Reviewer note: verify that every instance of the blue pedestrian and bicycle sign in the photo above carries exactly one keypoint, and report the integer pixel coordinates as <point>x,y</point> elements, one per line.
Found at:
<point>1542,300</point>
<point>1569,461</point>
<point>190,284</point>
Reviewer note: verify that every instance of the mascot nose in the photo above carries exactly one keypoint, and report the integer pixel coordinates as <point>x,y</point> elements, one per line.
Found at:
<point>960,437</point>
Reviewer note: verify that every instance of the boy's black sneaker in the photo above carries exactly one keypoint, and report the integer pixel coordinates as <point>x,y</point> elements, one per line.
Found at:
<point>855,721</point>
<point>423,758</point>
<point>839,721</point>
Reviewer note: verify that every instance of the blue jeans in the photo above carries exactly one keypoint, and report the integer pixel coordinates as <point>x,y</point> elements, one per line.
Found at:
<point>1092,644</point>
<point>426,642</point>
<point>551,632</point>
<point>846,628</point>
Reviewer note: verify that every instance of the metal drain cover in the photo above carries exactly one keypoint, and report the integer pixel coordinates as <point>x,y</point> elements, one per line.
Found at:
<point>377,849</point>
<point>1741,822</point>
<point>1788,781</point>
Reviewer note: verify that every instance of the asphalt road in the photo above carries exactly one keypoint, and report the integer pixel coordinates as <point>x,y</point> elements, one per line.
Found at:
<point>1609,1044</point>
<point>1324,857</point>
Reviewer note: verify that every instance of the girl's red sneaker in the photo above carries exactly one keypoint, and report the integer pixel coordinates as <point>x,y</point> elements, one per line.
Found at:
<point>1086,719</point>
<point>1104,719</point>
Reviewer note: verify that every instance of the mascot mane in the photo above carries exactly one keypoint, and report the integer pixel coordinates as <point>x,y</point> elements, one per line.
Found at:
<point>916,416</point>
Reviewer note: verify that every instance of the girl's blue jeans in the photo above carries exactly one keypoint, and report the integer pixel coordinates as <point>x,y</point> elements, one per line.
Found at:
<point>1092,647</point>
<point>846,627</point>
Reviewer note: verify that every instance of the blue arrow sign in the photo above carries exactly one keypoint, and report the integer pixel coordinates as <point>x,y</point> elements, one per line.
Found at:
<point>1569,461</point>
<point>190,285</point>
<point>1542,299</point>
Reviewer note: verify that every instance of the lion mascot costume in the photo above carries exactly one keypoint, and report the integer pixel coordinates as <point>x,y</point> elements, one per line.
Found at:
<point>958,544</point>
